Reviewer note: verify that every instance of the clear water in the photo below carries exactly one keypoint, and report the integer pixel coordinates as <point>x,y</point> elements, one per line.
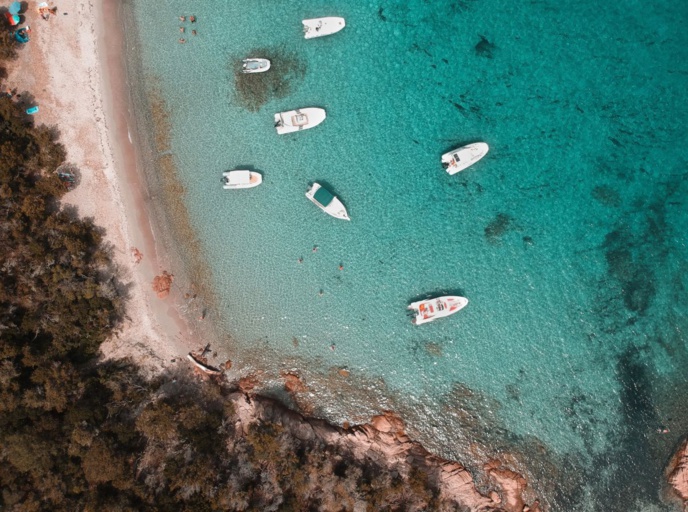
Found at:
<point>569,238</point>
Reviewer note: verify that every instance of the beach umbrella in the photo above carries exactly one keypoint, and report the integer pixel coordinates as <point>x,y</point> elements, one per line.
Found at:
<point>13,19</point>
<point>15,8</point>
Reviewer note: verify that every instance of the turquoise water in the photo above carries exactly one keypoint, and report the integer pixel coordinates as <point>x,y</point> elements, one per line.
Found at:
<point>569,238</point>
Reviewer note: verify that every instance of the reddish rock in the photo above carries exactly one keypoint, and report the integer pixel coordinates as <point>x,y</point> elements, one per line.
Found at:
<point>293,383</point>
<point>344,372</point>
<point>162,284</point>
<point>388,421</point>
<point>512,485</point>
<point>677,473</point>
<point>247,383</point>
<point>136,255</point>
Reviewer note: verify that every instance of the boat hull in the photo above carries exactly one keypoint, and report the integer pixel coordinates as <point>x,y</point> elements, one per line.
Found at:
<point>255,65</point>
<point>439,307</point>
<point>335,208</point>
<point>462,158</point>
<point>318,27</point>
<point>299,119</point>
<point>232,180</point>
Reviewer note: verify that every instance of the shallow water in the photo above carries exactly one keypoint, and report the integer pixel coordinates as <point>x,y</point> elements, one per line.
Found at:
<point>568,239</point>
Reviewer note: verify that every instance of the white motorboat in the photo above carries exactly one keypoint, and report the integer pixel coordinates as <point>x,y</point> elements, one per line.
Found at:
<point>318,27</point>
<point>440,307</point>
<point>240,179</point>
<point>255,65</point>
<point>327,201</point>
<point>299,119</point>
<point>463,157</point>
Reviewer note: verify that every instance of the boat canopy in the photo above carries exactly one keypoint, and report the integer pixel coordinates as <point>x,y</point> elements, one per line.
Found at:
<point>323,196</point>
<point>239,177</point>
<point>12,19</point>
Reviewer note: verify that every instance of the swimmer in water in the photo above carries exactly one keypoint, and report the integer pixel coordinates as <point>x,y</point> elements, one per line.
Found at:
<point>300,260</point>
<point>315,248</point>
<point>341,267</point>
<point>182,18</point>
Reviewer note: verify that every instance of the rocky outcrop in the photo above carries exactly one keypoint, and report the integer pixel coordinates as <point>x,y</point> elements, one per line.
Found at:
<point>384,441</point>
<point>677,474</point>
<point>162,284</point>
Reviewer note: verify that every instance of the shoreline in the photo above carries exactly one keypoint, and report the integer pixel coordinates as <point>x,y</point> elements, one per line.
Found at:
<point>83,91</point>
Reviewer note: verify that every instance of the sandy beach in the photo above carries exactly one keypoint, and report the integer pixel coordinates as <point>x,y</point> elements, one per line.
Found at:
<point>73,69</point>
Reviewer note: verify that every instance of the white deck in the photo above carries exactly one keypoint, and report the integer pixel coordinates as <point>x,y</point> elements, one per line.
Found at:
<point>299,119</point>
<point>318,27</point>
<point>461,158</point>
<point>240,179</point>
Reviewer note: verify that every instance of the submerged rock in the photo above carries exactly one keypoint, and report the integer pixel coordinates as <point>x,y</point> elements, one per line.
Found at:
<point>254,90</point>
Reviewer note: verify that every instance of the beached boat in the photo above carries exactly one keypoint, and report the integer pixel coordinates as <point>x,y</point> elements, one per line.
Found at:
<point>240,179</point>
<point>463,157</point>
<point>327,201</point>
<point>318,27</point>
<point>299,119</point>
<point>440,307</point>
<point>255,65</point>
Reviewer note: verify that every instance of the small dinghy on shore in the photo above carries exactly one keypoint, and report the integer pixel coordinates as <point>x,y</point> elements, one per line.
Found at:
<point>255,65</point>
<point>299,119</point>
<point>461,158</point>
<point>318,27</point>
<point>240,179</point>
<point>440,307</point>
<point>327,201</point>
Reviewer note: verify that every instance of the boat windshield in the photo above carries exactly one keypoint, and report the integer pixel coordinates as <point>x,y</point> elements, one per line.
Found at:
<point>323,196</point>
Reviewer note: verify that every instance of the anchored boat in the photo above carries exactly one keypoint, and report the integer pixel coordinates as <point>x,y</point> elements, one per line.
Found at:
<point>240,179</point>
<point>440,307</point>
<point>255,65</point>
<point>318,27</point>
<point>299,119</point>
<point>327,201</point>
<point>461,158</point>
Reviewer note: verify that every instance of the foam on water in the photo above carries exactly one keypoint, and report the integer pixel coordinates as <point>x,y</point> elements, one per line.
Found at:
<point>568,238</point>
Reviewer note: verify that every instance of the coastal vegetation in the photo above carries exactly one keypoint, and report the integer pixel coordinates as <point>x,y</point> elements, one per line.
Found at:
<point>77,433</point>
